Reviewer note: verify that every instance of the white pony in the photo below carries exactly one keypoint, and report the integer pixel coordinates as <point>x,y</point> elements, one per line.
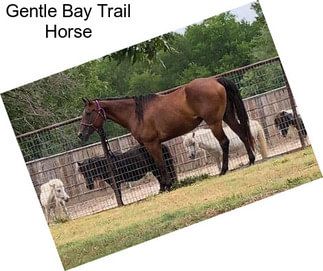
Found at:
<point>205,139</point>
<point>53,195</point>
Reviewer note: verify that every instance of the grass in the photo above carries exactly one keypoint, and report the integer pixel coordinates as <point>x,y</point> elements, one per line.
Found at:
<point>88,238</point>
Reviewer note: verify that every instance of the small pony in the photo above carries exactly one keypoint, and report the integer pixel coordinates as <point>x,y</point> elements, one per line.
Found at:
<point>129,166</point>
<point>203,138</point>
<point>286,118</point>
<point>53,195</point>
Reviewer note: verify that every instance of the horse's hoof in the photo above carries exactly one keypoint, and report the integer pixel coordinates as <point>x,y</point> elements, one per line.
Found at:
<point>223,171</point>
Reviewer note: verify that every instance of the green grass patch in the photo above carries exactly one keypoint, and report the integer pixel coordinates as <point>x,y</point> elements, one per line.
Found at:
<point>85,239</point>
<point>189,181</point>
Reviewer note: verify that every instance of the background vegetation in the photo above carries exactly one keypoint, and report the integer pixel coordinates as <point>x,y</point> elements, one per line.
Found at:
<point>216,45</point>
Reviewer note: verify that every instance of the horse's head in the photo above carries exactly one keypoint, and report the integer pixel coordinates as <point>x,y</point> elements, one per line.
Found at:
<point>59,191</point>
<point>93,117</point>
<point>282,122</point>
<point>190,143</point>
<point>84,169</point>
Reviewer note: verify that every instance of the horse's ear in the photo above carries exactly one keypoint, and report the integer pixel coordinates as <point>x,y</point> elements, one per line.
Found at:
<point>88,102</point>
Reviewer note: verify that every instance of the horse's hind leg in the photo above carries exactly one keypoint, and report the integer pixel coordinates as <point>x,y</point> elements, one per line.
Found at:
<point>218,132</point>
<point>240,131</point>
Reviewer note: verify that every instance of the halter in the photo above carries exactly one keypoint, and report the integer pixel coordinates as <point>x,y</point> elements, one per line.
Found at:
<point>99,113</point>
<point>100,130</point>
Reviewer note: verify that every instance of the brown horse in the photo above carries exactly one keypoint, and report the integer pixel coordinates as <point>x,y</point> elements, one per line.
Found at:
<point>155,118</point>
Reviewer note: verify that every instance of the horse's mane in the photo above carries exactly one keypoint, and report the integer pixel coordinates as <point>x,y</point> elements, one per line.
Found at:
<point>141,101</point>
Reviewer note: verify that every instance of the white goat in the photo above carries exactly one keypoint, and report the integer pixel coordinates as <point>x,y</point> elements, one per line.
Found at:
<point>205,139</point>
<point>53,195</point>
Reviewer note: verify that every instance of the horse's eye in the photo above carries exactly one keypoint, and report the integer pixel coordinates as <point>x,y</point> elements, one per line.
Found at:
<point>88,113</point>
<point>58,190</point>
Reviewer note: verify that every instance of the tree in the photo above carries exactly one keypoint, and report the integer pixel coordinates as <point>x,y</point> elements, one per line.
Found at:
<point>261,79</point>
<point>220,43</point>
<point>263,46</point>
<point>191,72</point>
<point>40,103</point>
<point>146,51</point>
<point>260,17</point>
<point>144,83</point>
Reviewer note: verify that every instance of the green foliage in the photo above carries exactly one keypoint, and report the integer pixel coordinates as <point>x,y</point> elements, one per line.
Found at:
<point>260,18</point>
<point>144,83</point>
<point>218,43</point>
<point>146,51</point>
<point>263,46</point>
<point>191,72</point>
<point>41,103</point>
<point>261,79</point>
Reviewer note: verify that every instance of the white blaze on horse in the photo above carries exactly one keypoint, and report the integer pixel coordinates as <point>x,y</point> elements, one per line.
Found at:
<point>203,139</point>
<point>52,197</point>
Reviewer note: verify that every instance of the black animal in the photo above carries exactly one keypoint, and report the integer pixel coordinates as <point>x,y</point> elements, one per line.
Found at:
<point>285,118</point>
<point>128,167</point>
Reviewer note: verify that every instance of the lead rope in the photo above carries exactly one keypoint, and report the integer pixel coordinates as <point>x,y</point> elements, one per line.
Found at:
<point>101,133</point>
<point>101,130</point>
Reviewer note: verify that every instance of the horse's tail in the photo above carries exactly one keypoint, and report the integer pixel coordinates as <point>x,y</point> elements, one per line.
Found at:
<point>168,158</point>
<point>261,140</point>
<point>234,96</point>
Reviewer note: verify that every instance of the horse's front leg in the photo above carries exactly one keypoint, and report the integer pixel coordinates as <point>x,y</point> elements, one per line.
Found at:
<point>155,151</point>
<point>63,205</point>
<point>118,183</point>
<point>46,211</point>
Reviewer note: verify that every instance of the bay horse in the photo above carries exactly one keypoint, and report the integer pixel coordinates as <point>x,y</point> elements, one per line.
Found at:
<point>156,118</point>
<point>129,166</point>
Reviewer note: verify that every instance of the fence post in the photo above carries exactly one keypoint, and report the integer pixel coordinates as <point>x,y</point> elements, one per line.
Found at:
<point>107,156</point>
<point>293,105</point>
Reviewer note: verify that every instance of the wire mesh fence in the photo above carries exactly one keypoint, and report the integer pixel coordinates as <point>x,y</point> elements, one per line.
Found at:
<point>55,152</point>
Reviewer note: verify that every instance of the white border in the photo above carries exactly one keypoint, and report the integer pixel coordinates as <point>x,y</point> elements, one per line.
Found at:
<point>283,232</point>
